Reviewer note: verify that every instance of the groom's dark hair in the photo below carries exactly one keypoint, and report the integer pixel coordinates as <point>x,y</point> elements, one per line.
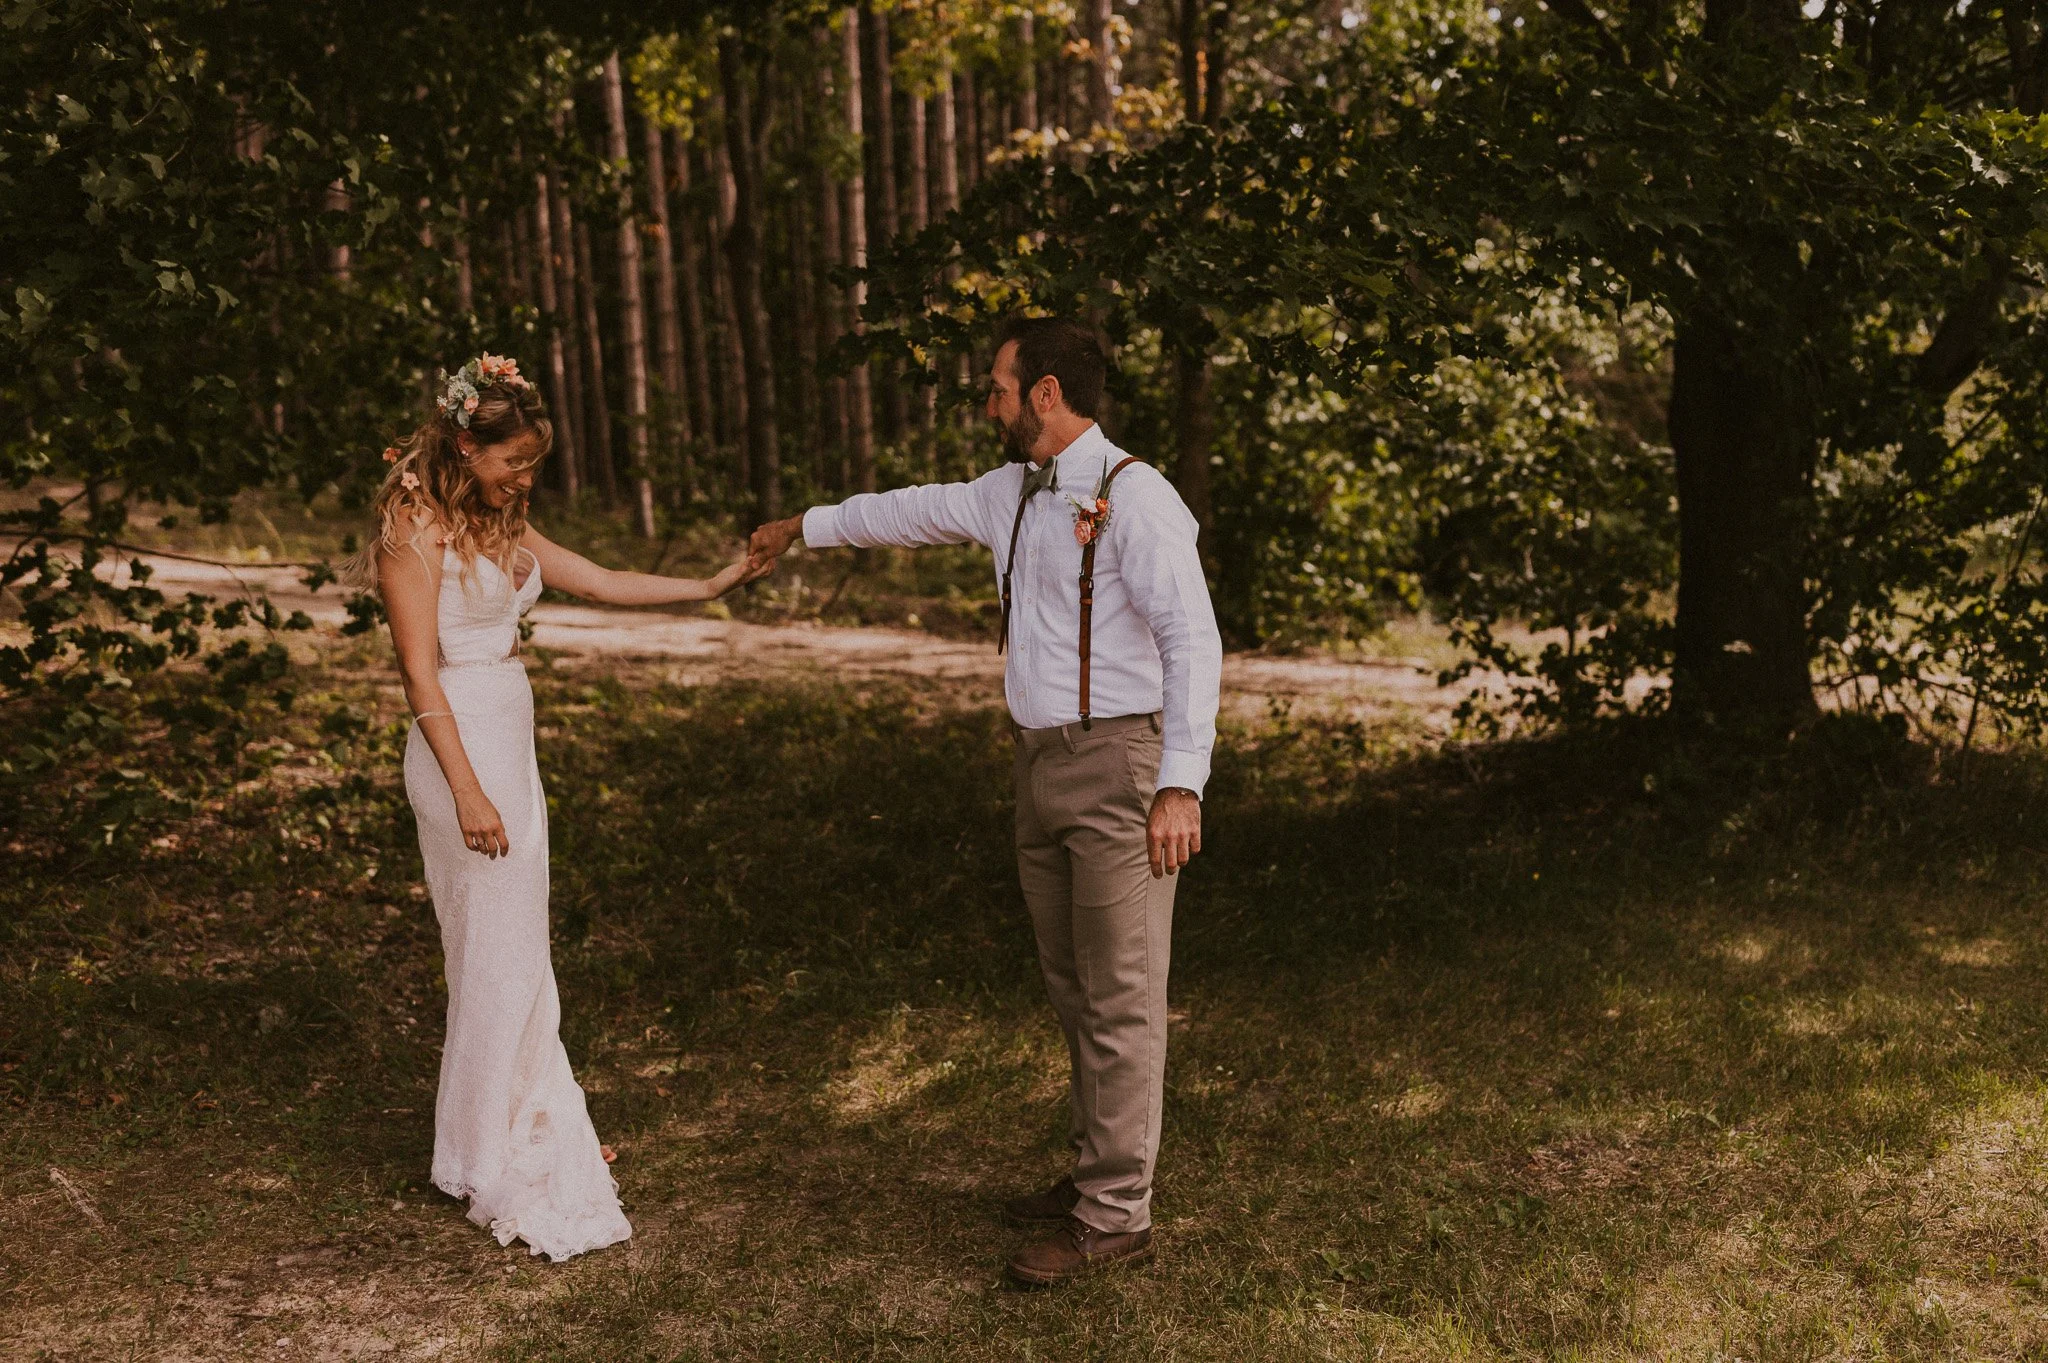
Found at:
<point>1066,350</point>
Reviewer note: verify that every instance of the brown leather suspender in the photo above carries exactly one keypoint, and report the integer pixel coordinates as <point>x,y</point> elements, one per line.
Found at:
<point>1088,594</point>
<point>1087,587</point>
<point>1004,638</point>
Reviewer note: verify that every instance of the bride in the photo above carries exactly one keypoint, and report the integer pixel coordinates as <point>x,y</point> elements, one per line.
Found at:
<point>457,565</point>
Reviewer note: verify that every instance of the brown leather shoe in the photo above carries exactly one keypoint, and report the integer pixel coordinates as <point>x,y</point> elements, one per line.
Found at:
<point>1077,1248</point>
<point>1048,1208</point>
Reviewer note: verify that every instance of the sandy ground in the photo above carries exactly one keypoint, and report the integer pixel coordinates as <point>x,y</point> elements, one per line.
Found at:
<point>700,648</point>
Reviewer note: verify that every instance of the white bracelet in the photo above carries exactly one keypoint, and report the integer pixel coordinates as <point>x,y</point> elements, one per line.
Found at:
<point>433,714</point>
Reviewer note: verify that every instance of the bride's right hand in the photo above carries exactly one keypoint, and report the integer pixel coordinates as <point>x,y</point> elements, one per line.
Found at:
<point>482,830</point>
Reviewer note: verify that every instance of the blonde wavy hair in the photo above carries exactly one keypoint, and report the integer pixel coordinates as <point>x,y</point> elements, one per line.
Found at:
<point>432,487</point>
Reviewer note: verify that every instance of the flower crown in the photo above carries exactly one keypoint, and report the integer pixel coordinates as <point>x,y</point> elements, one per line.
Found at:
<point>459,390</point>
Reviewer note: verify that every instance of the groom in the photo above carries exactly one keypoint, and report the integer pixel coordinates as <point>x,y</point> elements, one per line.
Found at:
<point>1114,665</point>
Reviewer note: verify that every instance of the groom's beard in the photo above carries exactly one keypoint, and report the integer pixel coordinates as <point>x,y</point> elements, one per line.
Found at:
<point>1021,436</point>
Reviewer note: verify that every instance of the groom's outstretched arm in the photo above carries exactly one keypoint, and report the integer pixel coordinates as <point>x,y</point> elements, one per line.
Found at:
<point>936,513</point>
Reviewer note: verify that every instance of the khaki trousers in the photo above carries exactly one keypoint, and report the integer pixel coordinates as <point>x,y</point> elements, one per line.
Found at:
<point>1104,930</point>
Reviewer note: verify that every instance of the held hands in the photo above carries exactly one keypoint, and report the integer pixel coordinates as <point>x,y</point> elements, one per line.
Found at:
<point>740,572</point>
<point>482,830</point>
<point>772,540</point>
<point>1174,832</point>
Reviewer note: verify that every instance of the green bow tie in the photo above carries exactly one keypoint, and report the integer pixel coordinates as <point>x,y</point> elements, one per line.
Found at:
<point>1037,480</point>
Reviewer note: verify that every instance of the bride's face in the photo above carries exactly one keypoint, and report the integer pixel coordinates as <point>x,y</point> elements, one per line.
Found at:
<point>504,471</point>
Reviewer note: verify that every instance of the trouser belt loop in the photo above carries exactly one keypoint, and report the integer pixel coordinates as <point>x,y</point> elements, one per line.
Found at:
<point>1153,720</point>
<point>1067,733</point>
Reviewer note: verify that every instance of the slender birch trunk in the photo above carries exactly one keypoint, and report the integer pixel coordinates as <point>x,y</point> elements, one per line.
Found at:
<point>575,408</point>
<point>886,202</point>
<point>1217,63</point>
<point>837,419</point>
<point>967,97</point>
<point>881,94</point>
<point>1102,70</point>
<point>1027,98</point>
<point>918,172</point>
<point>859,401</point>
<point>570,477</point>
<point>743,246</point>
<point>522,262</point>
<point>632,307</point>
<point>803,287</point>
<point>673,407</point>
<point>338,257</point>
<point>1201,99</point>
<point>690,272</point>
<point>465,274</point>
<point>947,154</point>
<point>732,385</point>
<point>600,421</point>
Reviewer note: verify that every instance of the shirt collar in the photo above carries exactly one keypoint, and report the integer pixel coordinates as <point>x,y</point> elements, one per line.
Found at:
<point>1078,448</point>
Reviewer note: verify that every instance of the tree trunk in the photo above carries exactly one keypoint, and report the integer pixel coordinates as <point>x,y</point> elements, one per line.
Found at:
<point>672,406</point>
<point>968,98</point>
<point>522,262</point>
<point>918,173</point>
<point>803,290</point>
<point>690,258</point>
<point>884,202</point>
<point>1102,70</point>
<point>569,477</point>
<point>465,275</point>
<point>831,254</point>
<point>1054,88</point>
<point>1193,375</point>
<point>1195,434</point>
<point>881,96</point>
<point>1217,65</point>
<point>632,309</point>
<point>732,365</point>
<point>859,401</point>
<point>1027,95</point>
<point>947,153</point>
<point>744,248</point>
<point>338,257</point>
<point>575,407</point>
<point>1745,453</point>
<point>1745,459</point>
<point>508,265</point>
<point>599,422</point>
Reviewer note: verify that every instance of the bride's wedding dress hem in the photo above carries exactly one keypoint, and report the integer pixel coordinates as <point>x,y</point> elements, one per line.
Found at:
<point>555,1232</point>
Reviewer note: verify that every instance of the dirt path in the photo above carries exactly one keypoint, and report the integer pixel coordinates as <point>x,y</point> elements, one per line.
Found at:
<point>702,648</point>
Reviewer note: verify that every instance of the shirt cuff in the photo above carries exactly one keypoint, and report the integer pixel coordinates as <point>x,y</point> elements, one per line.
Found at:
<point>1188,770</point>
<point>821,528</point>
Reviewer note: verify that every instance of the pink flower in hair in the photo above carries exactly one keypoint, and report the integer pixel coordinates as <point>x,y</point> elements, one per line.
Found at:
<point>391,454</point>
<point>411,480</point>
<point>469,403</point>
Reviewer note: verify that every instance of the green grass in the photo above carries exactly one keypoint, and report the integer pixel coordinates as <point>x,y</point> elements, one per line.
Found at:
<point>1582,1047</point>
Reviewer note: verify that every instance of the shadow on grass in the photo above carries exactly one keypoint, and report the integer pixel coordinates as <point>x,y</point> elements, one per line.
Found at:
<point>1589,1044</point>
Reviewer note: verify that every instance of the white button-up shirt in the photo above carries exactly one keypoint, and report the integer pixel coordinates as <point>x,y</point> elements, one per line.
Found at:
<point>1155,644</point>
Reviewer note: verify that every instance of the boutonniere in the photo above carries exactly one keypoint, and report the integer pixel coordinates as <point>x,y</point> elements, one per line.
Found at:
<point>1091,518</point>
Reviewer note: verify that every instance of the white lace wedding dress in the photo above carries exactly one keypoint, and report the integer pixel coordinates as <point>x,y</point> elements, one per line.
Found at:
<point>511,1132</point>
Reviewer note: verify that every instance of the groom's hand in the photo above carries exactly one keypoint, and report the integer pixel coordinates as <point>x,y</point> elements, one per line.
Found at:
<point>772,540</point>
<point>1174,832</point>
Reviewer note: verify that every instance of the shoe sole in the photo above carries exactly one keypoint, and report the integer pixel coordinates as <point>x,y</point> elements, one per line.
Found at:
<point>1097,1265</point>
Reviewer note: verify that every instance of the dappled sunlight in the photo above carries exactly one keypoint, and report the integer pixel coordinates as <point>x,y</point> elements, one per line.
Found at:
<point>1979,953</point>
<point>1417,1102</point>
<point>884,1073</point>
